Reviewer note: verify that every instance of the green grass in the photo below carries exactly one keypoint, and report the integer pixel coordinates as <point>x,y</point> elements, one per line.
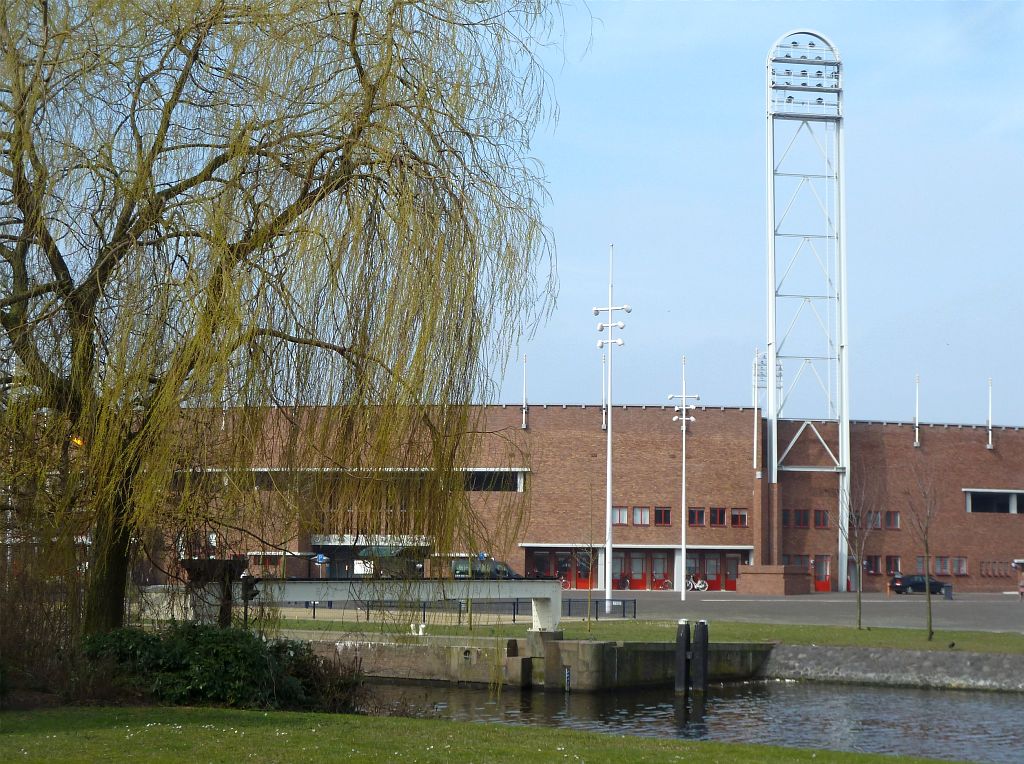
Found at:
<point>79,734</point>
<point>720,631</point>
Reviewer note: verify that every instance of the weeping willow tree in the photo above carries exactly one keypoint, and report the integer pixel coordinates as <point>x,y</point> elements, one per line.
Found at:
<point>212,210</point>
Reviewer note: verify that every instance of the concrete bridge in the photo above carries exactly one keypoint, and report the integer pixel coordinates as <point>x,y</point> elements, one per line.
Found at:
<point>546,596</point>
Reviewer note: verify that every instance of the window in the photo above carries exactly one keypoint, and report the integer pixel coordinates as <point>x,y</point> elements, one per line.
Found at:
<point>662,516</point>
<point>920,566</point>
<point>892,565</point>
<point>872,564</point>
<point>739,518</point>
<point>801,518</point>
<point>892,521</point>
<point>785,518</point>
<point>820,518</point>
<point>800,560</point>
<point>641,515</point>
<point>942,566</point>
<point>718,516</point>
<point>873,520</point>
<point>620,515</point>
<point>492,480</point>
<point>959,566</point>
<point>997,502</point>
<point>696,516</point>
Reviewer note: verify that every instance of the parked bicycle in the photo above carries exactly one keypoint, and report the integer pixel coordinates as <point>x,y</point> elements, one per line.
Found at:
<point>694,582</point>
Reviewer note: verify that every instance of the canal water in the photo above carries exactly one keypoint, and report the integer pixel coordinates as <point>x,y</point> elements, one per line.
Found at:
<point>940,724</point>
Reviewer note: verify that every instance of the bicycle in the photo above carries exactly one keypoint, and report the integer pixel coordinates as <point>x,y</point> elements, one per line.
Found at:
<point>696,583</point>
<point>663,585</point>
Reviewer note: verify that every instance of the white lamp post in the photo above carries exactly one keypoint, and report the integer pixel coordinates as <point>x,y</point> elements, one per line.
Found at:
<point>683,418</point>
<point>610,342</point>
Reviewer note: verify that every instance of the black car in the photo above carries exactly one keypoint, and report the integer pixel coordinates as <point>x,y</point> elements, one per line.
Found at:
<point>908,584</point>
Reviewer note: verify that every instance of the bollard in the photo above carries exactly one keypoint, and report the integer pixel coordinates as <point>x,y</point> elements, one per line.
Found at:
<point>682,656</point>
<point>699,658</point>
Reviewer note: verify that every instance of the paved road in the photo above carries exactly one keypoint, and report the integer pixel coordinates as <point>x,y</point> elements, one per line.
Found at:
<point>981,612</point>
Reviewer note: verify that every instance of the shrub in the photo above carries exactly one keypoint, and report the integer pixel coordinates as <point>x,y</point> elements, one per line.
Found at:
<point>196,664</point>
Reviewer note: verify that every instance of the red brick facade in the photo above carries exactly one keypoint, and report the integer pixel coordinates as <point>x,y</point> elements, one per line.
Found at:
<point>746,520</point>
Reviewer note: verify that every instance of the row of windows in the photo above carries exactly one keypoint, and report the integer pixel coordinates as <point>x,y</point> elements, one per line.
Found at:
<point>872,562</point>
<point>944,566</point>
<point>998,568</point>
<point>715,517</point>
<point>801,518</point>
<point>642,516</point>
<point>941,565</point>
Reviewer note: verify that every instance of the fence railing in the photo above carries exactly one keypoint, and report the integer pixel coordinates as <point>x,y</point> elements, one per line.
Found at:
<point>595,608</point>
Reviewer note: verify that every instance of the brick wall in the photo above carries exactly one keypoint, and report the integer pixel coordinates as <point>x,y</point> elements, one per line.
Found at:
<point>564,450</point>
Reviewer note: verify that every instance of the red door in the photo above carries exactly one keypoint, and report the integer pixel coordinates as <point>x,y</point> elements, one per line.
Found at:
<point>637,570</point>
<point>619,579</point>
<point>584,572</point>
<point>661,577</point>
<point>732,571</point>
<point>713,572</point>
<point>822,577</point>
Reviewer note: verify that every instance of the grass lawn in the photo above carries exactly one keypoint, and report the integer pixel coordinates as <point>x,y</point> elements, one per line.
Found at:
<point>719,631</point>
<point>151,734</point>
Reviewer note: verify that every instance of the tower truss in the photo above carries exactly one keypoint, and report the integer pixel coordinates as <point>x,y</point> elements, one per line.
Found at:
<point>807,340</point>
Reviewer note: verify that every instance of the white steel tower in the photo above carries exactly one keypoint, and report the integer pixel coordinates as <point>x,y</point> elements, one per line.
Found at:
<point>807,341</point>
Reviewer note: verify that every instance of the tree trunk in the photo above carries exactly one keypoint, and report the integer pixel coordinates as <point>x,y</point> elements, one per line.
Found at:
<point>860,588</point>
<point>108,571</point>
<point>928,589</point>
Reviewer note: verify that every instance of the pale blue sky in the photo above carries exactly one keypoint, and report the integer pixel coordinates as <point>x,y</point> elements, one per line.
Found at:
<point>646,155</point>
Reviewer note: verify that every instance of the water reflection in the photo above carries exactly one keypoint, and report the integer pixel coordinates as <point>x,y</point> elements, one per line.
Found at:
<point>941,724</point>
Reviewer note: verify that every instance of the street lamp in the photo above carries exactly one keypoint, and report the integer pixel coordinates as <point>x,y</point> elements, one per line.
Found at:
<point>611,342</point>
<point>683,418</point>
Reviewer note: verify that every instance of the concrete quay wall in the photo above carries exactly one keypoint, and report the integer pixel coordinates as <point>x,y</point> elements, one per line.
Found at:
<point>897,668</point>
<point>594,666</point>
<point>549,662</point>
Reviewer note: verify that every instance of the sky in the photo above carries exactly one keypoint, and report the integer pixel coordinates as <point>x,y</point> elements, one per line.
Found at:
<point>659,149</point>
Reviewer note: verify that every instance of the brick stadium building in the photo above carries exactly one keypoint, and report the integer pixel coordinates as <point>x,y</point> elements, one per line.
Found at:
<point>742,535</point>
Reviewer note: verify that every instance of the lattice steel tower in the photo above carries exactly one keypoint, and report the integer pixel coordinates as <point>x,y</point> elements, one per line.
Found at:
<point>807,341</point>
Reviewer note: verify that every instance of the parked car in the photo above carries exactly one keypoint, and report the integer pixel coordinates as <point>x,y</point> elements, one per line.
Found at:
<point>908,584</point>
<point>487,568</point>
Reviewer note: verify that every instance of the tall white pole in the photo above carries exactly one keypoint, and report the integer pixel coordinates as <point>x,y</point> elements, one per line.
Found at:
<point>610,342</point>
<point>989,444</point>
<point>684,419</point>
<point>525,408</point>
<point>604,391</point>
<point>917,410</point>
<point>608,449</point>
<point>683,509</point>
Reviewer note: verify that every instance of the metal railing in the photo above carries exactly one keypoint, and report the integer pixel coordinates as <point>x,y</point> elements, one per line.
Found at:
<point>460,608</point>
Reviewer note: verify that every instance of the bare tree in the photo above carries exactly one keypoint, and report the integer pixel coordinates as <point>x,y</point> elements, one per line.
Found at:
<point>864,512</point>
<point>922,509</point>
<point>208,205</point>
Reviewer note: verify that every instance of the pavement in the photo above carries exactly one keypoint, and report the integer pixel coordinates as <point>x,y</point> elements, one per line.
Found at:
<point>975,612</point>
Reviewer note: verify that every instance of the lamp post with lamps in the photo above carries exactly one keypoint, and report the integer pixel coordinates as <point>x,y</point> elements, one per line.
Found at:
<point>684,419</point>
<point>611,342</point>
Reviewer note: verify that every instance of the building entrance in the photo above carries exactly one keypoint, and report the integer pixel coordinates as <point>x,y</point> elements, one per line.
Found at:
<point>720,568</point>
<point>573,567</point>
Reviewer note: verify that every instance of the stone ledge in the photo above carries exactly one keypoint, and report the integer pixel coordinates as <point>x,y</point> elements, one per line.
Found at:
<point>897,668</point>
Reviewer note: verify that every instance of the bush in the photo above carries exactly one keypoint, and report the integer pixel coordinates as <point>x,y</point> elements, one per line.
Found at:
<point>197,664</point>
